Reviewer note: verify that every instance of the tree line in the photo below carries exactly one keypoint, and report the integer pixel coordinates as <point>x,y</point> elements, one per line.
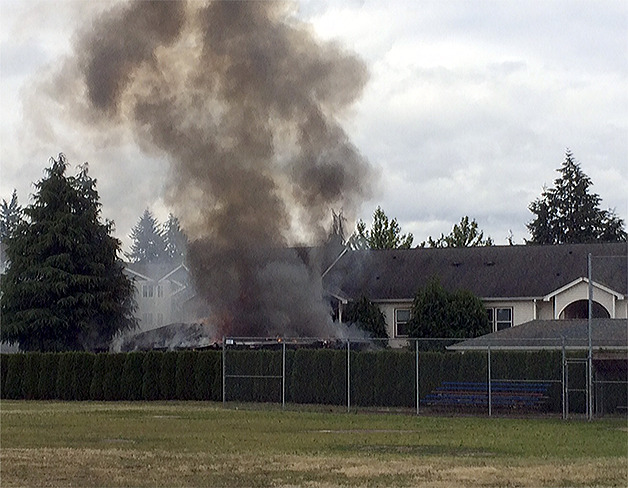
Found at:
<point>567,213</point>
<point>64,287</point>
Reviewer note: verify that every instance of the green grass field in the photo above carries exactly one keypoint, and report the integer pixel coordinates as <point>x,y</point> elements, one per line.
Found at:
<point>202,444</point>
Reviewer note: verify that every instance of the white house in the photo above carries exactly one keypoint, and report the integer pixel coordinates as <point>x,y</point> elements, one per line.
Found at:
<point>516,283</point>
<point>160,290</point>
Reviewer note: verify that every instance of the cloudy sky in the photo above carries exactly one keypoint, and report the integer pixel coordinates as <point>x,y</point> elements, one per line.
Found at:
<point>468,109</point>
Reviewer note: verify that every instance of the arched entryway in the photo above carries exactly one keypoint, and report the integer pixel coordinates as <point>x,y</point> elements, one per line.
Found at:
<point>580,310</point>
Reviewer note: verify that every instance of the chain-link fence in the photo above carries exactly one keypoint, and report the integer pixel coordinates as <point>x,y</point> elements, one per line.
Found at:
<point>424,375</point>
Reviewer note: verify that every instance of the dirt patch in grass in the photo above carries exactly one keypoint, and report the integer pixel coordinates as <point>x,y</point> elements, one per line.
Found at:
<point>122,467</point>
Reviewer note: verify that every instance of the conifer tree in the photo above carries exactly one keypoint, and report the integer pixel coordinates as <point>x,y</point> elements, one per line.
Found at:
<point>175,240</point>
<point>10,216</point>
<point>65,288</point>
<point>148,242</point>
<point>570,213</point>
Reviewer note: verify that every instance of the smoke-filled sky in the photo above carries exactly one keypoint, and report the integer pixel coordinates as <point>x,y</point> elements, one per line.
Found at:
<point>463,108</point>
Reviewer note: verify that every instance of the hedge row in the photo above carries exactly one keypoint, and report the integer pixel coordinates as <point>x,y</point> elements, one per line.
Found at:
<point>378,378</point>
<point>132,376</point>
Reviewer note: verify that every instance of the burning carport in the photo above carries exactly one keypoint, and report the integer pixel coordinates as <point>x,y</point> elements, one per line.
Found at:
<point>172,337</point>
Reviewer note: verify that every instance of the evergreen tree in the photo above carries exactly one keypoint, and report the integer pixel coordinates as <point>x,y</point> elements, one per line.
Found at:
<point>175,240</point>
<point>384,233</point>
<point>464,234</point>
<point>437,312</point>
<point>148,242</point>
<point>10,216</point>
<point>65,288</point>
<point>367,316</point>
<point>570,213</point>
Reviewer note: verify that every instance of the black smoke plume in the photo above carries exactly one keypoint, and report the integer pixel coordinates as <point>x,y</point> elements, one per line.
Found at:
<point>245,103</point>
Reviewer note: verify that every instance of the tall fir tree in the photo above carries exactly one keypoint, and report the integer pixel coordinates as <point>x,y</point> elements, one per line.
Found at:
<point>570,213</point>
<point>10,216</point>
<point>148,242</point>
<point>175,240</point>
<point>65,288</point>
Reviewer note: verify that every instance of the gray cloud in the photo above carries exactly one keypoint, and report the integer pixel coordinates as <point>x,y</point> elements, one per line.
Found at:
<point>550,75</point>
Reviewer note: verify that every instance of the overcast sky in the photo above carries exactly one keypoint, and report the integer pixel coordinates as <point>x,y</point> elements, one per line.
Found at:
<point>468,109</point>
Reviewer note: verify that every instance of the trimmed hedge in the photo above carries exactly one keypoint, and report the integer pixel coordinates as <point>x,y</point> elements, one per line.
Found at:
<point>46,386</point>
<point>14,382</point>
<point>378,378</point>
<point>132,379</point>
<point>151,368</point>
<point>208,373</point>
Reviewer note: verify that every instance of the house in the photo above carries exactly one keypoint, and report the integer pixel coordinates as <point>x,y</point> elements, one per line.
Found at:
<point>517,284</point>
<point>170,311</point>
<point>160,291</point>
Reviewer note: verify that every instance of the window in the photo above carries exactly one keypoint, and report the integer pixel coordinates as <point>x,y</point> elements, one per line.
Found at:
<point>402,317</point>
<point>147,291</point>
<point>147,318</point>
<point>160,319</point>
<point>160,291</point>
<point>500,318</point>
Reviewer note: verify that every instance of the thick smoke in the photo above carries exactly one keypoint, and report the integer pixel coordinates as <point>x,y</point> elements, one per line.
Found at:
<point>244,101</point>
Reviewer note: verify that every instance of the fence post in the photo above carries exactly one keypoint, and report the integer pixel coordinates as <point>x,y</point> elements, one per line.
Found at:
<point>589,387</point>
<point>283,375</point>
<point>224,377</point>
<point>416,362</point>
<point>563,382</point>
<point>490,403</point>
<point>348,375</point>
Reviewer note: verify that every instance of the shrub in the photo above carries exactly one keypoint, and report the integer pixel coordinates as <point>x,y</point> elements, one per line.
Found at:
<point>167,375</point>
<point>319,376</point>
<point>96,389</point>
<point>83,373</point>
<point>208,375</point>
<point>363,371</point>
<point>367,316</point>
<point>437,312</point>
<point>47,386</point>
<point>185,382</point>
<point>65,371</point>
<point>151,367</point>
<point>394,381</point>
<point>32,368</point>
<point>113,367</point>
<point>3,373</point>
<point>14,388</point>
<point>132,376</point>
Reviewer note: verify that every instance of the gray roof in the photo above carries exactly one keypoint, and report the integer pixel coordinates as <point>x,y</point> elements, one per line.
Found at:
<point>610,334</point>
<point>489,272</point>
<point>152,271</point>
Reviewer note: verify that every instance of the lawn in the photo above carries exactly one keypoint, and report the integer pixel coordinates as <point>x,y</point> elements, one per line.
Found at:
<point>201,444</point>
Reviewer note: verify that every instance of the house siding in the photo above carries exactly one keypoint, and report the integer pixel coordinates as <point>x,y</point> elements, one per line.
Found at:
<point>156,310</point>
<point>523,311</point>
